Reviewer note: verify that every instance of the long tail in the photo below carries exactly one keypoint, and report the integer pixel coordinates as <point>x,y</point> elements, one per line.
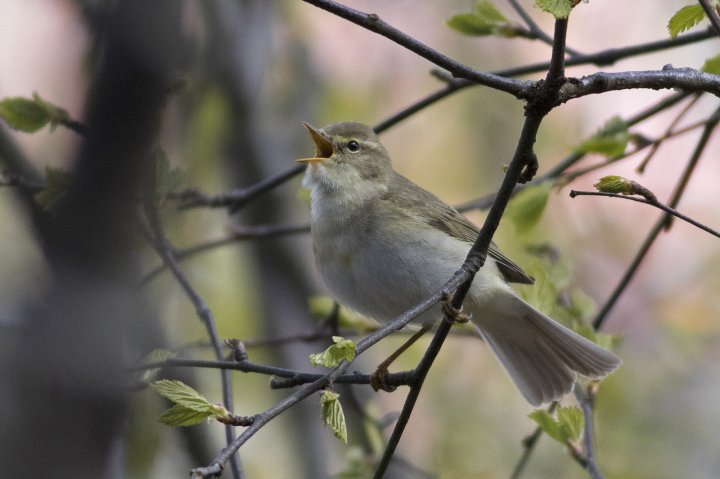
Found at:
<point>542,356</point>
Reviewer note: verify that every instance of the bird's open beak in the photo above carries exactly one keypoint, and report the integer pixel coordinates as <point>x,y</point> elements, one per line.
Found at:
<point>323,147</point>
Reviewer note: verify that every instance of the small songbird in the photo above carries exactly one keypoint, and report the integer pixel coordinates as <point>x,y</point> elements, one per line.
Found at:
<point>383,244</point>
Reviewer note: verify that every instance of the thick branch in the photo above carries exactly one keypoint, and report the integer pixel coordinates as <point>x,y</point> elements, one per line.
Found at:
<point>687,79</point>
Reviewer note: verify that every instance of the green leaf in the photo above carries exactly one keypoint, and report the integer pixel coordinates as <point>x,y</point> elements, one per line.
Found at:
<point>712,65</point>
<point>527,206</point>
<point>611,140</point>
<point>571,421</point>
<point>485,19</point>
<point>566,426</point>
<point>342,350</point>
<point>558,8</point>
<point>489,12</point>
<point>30,115</point>
<point>685,18</point>
<point>179,415</point>
<point>581,305</point>
<point>58,184</point>
<point>549,425</point>
<point>332,414</point>
<point>615,184</point>
<point>182,394</point>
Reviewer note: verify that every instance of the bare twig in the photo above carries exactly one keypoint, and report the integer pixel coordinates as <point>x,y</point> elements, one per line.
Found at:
<point>601,58</point>
<point>283,377</point>
<point>420,374</point>
<point>216,466</point>
<point>653,149</point>
<point>655,232</point>
<point>656,204</point>
<point>573,158</point>
<point>372,22</point>
<point>165,250</point>
<point>568,177</point>
<point>589,458</point>
<point>712,14</point>
<point>237,198</point>
<point>240,233</point>
<point>535,29</point>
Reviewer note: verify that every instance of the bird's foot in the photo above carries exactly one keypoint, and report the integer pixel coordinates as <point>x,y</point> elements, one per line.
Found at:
<point>451,312</point>
<point>378,382</point>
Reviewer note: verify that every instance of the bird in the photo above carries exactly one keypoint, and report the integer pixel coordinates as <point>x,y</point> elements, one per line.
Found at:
<point>383,244</point>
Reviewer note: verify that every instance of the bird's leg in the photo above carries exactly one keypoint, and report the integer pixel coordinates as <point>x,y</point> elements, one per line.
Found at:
<point>377,380</point>
<point>451,312</point>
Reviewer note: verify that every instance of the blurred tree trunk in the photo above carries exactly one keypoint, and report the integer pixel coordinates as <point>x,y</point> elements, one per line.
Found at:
<point>63,416</point>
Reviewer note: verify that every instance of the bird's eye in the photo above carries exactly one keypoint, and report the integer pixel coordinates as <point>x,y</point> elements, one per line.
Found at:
<point>353,146</point>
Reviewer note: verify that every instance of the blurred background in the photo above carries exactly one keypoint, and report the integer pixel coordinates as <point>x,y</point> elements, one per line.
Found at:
<point>251,72</point>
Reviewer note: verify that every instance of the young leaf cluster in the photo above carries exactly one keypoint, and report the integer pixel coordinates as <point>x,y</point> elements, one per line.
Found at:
<point>31,114</point>
<point>190,407</point>
<point>685,19</point>
<point>332,414</point>
<point>342,350</point>
<point>566,426</point>
<point>560,9</point>
<point>612,139</point>
<point>484,19</point>
<point>58,184</point>
<point>527,206</point>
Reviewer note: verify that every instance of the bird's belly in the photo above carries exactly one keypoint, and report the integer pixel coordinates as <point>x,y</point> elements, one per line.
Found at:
<point>384,277</point>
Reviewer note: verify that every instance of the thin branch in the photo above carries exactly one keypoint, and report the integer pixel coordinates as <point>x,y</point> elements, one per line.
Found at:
<point>216,466</point>
<point>240,233</point>
<point>535,29</point>
<point>601,58</point>
<point>712,14</point>
<point>374,23</point>
<point>697,153</point>
<point>556,71</point>
<point>573,158</point>
<point>655,232</point>
<point>235,199</point>
<point>568,177</point>
<point>420,374</point>
<point>602,315</point>
<point>654,148</point>
<point>165,250</point>
<point>589,458</point>
<point>75,126</point>
<point>667,209</point>
<point>283,377</point>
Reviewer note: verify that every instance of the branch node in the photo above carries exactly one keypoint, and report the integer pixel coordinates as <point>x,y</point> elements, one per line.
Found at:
<point>453,314</point>
<point>239,353</point>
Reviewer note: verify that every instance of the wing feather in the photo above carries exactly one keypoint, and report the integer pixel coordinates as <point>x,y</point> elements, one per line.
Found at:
<point>444,217</point>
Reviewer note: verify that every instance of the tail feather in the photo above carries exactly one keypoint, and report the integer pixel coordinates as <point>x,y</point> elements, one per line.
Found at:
<point>541,356</point>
